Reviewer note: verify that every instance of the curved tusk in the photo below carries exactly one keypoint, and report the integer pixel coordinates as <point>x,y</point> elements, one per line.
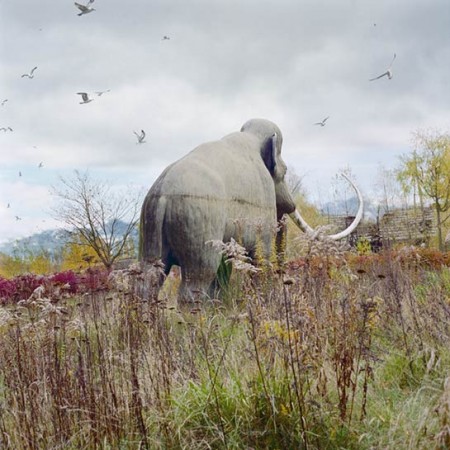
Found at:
<point>300,222</point>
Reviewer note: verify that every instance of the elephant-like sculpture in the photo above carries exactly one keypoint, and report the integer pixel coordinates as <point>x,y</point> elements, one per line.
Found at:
<point>231,188</point>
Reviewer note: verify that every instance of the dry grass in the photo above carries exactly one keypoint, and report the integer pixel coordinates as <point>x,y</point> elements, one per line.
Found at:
<point>325,354</point>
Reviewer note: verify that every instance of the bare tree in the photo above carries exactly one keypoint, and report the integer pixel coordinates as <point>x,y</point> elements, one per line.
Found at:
<point>342,189</point>
<point>295,183</point>
<point>102,216</point>
<point>388,190</point>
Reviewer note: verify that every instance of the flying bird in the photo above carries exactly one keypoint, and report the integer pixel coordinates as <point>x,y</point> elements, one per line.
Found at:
<point>9,206</point>
<point>41,165</point>
<point>20,173</point>
<point>85,97</point>
<point>85,9</point>
<point>5,129</point>
<point>4,101</point>
<point>140,137</point>
<point>322,124</point>
<point>166,38</point>
<point>100,93</point>
<point>31,74</point>
<point>18,218</point>
<point>388,72</point>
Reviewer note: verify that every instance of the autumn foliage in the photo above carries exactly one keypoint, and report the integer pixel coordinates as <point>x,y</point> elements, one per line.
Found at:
<point>22,286</point>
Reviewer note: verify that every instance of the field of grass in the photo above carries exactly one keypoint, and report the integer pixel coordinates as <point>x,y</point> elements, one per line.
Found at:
<point>333,352</point>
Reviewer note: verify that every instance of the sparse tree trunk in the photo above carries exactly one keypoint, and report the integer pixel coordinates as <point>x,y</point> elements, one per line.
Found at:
<point>439,226</point>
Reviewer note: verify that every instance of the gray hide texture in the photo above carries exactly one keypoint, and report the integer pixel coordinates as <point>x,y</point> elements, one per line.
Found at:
<point>233,187</point>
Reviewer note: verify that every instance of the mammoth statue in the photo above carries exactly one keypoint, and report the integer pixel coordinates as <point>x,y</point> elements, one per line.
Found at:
<point>219,191</point>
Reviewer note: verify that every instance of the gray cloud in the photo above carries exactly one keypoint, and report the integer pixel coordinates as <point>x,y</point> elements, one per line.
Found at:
<point>294,62</point>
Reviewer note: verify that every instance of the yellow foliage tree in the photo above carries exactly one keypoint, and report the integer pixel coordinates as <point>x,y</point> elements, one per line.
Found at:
<point>11,266</point>
<point>77,256</point>
<point>27,261</point>
<point>427,171</point>
<point>41,264</point>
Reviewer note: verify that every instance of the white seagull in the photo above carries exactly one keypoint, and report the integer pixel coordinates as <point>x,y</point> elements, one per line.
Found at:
<point>100,93</point>
<point>85,97</point>
<point>85,9</point>
<point>31,74</point>
<point>140,137</point>
<point>322,124</point>
<point>388,72</point>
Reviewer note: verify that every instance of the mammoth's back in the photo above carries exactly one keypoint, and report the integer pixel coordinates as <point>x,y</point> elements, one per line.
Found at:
<point>230,169</point>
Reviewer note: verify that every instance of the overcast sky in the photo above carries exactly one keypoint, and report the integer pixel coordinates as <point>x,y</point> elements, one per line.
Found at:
<point>294,62</point>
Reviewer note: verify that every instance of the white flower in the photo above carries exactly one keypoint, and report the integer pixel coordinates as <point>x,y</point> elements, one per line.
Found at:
<point>234,253</point>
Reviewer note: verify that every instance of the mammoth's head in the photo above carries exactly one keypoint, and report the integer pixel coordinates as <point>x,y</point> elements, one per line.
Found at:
<point>271,141</point>
<point>270,148</point>
<point>264,129</point>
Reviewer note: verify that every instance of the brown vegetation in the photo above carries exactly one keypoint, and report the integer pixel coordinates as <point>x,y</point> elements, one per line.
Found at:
<point>332,352</point>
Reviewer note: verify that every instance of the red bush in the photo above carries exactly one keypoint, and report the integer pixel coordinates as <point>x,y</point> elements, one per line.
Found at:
<point>94,280</point>
<point>26,284</point>
<point>64,278</point>
<point>7,289</point>
<point>22,286</point>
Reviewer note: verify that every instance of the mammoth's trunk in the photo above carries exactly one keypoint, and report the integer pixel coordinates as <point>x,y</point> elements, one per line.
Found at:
<point>301,223</point>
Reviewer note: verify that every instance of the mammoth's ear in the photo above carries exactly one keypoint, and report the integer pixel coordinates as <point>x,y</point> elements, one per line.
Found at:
<point>269,153</point>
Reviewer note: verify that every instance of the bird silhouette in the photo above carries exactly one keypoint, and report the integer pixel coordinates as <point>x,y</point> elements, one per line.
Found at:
<point>322,124</point>
<point>388,72</point>
<point>29,75</point>
<point>18,218</point>
<point>85,97</point>
<point>100,93</point>
<point>166,38</point>
<point>85,9</point>
<point>140,137</point>
<point>41,165</point>
<point>4,101</point>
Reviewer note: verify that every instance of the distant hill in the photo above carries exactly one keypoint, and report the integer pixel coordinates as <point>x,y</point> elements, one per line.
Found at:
<point>350,207</point>
<point>51,241</point>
